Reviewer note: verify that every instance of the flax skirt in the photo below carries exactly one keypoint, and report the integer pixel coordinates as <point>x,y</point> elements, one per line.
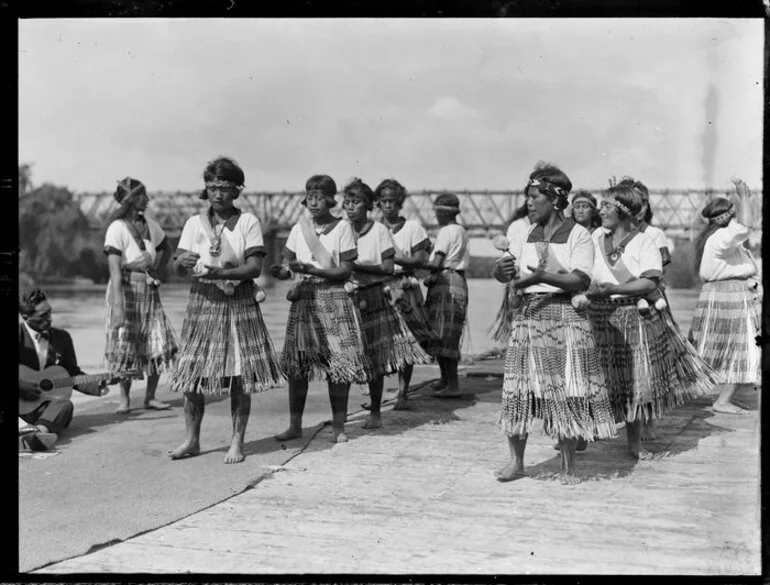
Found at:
<point>447,306</point>
<point>224,338</point>
<point>553,380</point>
<point>147,342</point>
<point>724,328</point>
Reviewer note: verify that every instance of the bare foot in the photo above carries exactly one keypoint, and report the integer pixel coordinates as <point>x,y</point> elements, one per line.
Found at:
<point>728,408</point>
<point>638,452</point>
<point>648,432</point>
<point>186,449</point>
<point>235,453</point>
<point>124,408</point>
<point>288,435</point>
<point>510,472</point>
<point>569,479</point>
<point>440,385</point>
<point>448,393</point>
<point>156,405</point>
<point>402,402</point>
<point>339,436</point>
<point>373,422</point>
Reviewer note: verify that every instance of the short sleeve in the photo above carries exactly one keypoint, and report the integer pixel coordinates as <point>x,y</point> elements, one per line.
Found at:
<point>385,242</point>
<point>581,253</point>
<point>650,261</point>
<point>727,239</point>
<point>418,238</point>
<point>347,242</point>
<point>254,242</point>
<point>187,239</point>
<point>116,238</point>
<point>443,242</point>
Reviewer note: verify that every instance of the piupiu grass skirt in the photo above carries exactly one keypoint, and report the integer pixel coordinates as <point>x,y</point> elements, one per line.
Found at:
<point>388,342</point>
<point>224,338</point>
<point>725,326</point>
<point>648,367</point>
<point>447,306</point>
<point>500,330</point>
<point>553,380</point>
<point>324,339</point>
<point>147,342</point>
<point>412,310</point>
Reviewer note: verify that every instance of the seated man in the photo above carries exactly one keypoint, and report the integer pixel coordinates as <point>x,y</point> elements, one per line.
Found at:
<point>41,346</point>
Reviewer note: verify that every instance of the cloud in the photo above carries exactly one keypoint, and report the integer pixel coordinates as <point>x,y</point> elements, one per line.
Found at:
<point>449,108</point>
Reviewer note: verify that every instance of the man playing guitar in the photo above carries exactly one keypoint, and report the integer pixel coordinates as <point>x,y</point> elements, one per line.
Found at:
<point>42,346</point>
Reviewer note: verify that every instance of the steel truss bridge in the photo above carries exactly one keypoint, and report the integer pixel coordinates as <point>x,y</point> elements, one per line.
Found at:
<point>482,212</point>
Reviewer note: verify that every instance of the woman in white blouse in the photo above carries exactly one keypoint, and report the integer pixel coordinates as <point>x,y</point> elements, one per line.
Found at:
<point>412,249</point>
<point>388,342</point>
<point>225,344</point>
<point>727,316</point>
<point>553,380</point>
<point>140,338</point>
<point>646,362</point>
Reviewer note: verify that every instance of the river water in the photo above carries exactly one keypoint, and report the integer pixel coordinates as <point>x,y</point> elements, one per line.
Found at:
<point>80,310</point>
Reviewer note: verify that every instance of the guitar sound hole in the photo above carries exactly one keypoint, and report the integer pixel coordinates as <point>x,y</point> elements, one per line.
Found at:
<point>45,385</point>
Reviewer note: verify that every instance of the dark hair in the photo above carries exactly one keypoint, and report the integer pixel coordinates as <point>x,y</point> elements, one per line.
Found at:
<point>550,173</point>
<point>716,206</point>
<point>224,169</point>
<point>122,195</point>
<point>596,219</point>
<point>449,199</point>
<point>643,191</point>
<point>323,183</point>
<point>358,188</point>
<point>29,299</point>
<point>629,197</point>
<point>391,184</point>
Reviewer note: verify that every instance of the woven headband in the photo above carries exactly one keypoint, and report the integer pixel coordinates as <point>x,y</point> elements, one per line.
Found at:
<point>223,184</point>
<point>129,191</point>
<point>543,185</point>
<point>723,217</point>
<point>446,208</point>
<point>619,205</point>
<point>584,198</point>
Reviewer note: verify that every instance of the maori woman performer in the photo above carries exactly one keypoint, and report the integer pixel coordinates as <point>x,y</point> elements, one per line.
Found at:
<point>323,331</point>
<point>388,343</point>
<point>727,317</point>
<point>647,365</point>
<point>553,379</point>
<point>412,247</point>
<point>447,299</point>
<point>225,343</point>
<point>140,338</point>
<point>585,210</point>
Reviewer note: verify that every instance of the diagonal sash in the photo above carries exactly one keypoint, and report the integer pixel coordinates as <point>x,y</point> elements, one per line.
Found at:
<point>228,255</point>
<point>619,269</point>
<point>317,249</point>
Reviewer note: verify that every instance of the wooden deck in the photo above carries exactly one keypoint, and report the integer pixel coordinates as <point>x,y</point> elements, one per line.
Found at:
<point>419,497</point>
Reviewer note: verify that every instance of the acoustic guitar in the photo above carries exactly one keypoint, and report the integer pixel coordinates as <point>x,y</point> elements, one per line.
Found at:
<point>55,383</point>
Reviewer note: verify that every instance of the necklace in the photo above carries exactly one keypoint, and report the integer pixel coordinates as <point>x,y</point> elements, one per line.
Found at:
<point>216,246</point>
<point>615,252</point>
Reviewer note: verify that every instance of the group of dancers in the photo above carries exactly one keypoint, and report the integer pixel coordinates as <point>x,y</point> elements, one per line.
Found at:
<point>590,339</point>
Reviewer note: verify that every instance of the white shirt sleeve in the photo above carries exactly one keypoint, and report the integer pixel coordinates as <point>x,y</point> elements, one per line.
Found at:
<point>291,241</point>
<point>386,243</point>
<point>117,236</point>
<point>187,239</point>
<point>581,251</point>
<point>443,242</point>
<point>727,239</point>
<point>418,236</point>
<point>347,241</point>
<point>253,233</point>
<point>650,259</point>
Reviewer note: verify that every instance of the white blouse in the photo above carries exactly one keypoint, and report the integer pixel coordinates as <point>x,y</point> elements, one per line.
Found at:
<point>337,237</point>
<point>570,249</point>
<point>118,240</point>
<point>724,255</point>
<point>452,241</point>
<point>641,256</point>
<point>517,235</point>
<point>242,231</point>
<point>409,239</point>
<point>660,240</point>
<point>375,246</point>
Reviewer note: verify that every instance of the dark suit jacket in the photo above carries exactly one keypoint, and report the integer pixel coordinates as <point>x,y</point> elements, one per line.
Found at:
<point>61,351</point>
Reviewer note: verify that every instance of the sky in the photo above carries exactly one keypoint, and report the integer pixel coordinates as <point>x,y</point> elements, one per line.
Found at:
<point>435,103</point>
